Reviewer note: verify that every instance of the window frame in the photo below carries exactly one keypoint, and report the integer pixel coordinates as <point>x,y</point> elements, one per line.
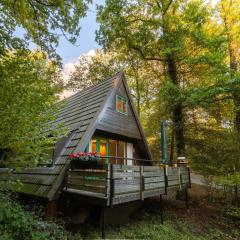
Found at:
<point>122,100</point>
<point>98,143</point>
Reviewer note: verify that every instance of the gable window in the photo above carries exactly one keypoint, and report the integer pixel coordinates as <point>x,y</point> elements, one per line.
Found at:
<point>121,104</point>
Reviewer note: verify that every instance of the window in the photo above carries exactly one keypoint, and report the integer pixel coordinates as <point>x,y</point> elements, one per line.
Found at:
<point>112,150</point>
<point>121,104</point>
<point>121,152</point>
<point>103,148</point>
<point>99,145</point>
<point>94,145</point>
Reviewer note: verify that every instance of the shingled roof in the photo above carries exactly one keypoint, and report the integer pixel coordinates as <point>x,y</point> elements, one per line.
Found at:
<point>80,114</point>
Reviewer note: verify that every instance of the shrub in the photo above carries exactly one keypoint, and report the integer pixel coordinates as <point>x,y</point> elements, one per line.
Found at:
<point>19,224</point>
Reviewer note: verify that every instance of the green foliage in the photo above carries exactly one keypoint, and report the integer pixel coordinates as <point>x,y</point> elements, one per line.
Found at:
<point>175,226</point>
<point>29,88</point>
<point>175,37</point>
<point>232,212</point>
<point>92,69</point>
<point>154,230</point>
<point>18,224</point>
<point>100,65</point>
<point>192,48</point>
<point>44,22</point>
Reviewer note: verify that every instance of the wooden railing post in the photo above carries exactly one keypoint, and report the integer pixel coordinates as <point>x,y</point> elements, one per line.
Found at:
<point>141,183</point>
<point>189,178</point>
<point>165,179</point>
<point>179,177</point>
<point>111,185</point>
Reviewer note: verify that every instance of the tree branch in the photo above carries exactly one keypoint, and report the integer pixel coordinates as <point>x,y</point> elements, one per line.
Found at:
<point>166,9</point>
<point>150,58</point>
<point>46,4</point>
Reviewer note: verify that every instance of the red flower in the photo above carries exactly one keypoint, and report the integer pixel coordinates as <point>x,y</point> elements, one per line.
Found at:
<point>82,154</point>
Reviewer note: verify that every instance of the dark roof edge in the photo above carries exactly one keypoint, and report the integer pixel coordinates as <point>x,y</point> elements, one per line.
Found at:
<point>53,194</point>
<point>93,85</point>
<point>92,127</point>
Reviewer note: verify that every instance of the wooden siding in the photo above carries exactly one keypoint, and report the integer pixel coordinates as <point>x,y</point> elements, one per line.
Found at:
<point>80,114</point>
<point>118,123</point>
<point>122,183</point>
<point>77,113</point>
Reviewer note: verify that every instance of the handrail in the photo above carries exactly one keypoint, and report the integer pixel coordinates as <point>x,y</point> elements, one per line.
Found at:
<point>132,159</point>
<point>123,182</point>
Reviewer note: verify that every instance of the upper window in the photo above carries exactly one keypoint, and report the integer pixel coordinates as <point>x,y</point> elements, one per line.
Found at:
<point>121,104</point>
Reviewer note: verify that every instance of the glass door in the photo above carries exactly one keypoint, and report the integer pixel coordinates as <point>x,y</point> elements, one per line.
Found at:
<point>112,151</point>
<point>100,145</point>
<point>103,150</point>
<point>121,152</point>
<point>129,154</point>
<point>115,151</point>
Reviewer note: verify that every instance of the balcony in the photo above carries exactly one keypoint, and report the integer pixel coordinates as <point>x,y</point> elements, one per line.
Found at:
<point>111,184</point>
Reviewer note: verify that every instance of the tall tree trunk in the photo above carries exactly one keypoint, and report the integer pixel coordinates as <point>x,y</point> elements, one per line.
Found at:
<point>178,121</point>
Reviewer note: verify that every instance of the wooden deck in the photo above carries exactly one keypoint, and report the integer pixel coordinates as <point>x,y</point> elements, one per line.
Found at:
<point>113,184</point>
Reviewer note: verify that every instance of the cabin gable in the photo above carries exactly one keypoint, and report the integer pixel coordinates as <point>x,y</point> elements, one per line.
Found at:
<point>117,122</point>
<point>85,113</point>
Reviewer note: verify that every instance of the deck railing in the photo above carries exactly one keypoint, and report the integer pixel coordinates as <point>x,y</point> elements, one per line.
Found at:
<point>117,183</point>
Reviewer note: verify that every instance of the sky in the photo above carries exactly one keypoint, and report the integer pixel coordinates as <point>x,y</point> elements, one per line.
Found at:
<point>86,41</point>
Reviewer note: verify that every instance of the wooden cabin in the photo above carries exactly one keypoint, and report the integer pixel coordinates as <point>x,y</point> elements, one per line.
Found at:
<point>102,119</point>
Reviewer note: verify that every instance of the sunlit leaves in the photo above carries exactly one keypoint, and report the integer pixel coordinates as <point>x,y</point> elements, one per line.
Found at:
<point>44,22</point>
<point>28,89</point>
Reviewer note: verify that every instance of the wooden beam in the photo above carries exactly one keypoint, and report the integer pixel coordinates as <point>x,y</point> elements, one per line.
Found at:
<point>103,223</point>
<point>51,209</point>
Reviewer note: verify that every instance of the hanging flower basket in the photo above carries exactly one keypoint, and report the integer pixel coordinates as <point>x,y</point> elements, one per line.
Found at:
<point>83,159</point>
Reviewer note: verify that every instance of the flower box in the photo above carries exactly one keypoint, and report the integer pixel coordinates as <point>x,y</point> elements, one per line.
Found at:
<point>83,160</point>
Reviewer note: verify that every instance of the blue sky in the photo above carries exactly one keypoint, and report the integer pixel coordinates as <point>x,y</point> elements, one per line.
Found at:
<point>86,41</point>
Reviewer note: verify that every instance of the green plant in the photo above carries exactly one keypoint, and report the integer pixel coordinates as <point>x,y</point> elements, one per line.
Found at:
<point>18,224</point>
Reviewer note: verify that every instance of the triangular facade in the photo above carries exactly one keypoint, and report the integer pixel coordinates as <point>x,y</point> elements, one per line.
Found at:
<point>103,111</point>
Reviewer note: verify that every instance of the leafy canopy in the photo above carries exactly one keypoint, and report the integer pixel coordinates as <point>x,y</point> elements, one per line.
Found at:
<point>28,88</point>
<point>44,21</point>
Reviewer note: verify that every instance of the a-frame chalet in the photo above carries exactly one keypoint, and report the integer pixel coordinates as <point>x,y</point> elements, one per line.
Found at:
<point>101,119</point>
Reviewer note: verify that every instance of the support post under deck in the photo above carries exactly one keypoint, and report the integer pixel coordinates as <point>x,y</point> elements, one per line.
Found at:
<point>161,208</point>
<point>51,209</point>
<point>103,223</point>
<point>186,198</point>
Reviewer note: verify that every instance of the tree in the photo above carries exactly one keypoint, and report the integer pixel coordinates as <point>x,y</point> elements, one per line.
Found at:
<point>28,88</point>
<point>229,13</point>
<point>44,21</point>
<point>94,68</point>
<point>91,69</point>
<point>172,33</point>
<point>29,82</point>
